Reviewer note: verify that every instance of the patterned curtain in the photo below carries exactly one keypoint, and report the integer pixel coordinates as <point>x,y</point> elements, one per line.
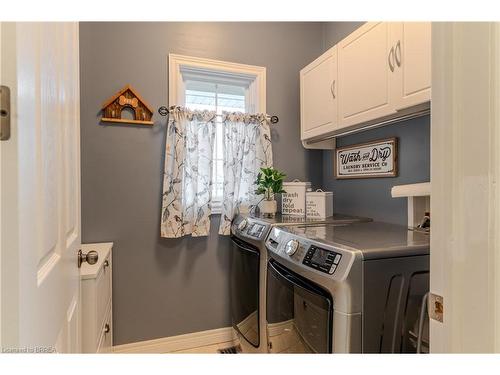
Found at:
<point>247,148</point>
<point>187,181</point>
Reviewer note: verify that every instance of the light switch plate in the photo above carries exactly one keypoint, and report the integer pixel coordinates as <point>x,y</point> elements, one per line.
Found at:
<point>436,307</point>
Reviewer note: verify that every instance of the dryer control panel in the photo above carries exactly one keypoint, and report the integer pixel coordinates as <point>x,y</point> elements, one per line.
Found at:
<point>322,259</point>
<point>291,247</point>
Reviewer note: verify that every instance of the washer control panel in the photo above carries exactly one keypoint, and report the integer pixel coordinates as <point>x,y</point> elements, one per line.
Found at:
<point>242,225</point>
<point>322,259</point>
<point>255,230</point>
<point>291,247</point>
<point>328,260</point>
<point>250,227</point>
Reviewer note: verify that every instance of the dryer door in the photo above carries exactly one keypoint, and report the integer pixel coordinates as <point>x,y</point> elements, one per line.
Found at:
<point>244,289</point>
<point>299,313</point>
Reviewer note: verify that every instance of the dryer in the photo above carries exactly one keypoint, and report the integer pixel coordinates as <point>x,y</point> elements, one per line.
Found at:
<point>346,289</point>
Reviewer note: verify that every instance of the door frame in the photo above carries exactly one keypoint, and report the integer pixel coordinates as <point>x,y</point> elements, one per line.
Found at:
<point>1,236</point>
<point>9,256</point>
<point>465,192</point>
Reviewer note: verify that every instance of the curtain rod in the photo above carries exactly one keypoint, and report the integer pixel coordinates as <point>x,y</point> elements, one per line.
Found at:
<point>164,111</point>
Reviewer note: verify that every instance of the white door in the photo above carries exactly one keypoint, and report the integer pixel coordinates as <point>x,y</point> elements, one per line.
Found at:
<point>364,67</point>
<point>318,96</point>
<point>40,171</point>
<point>465,194</point>
<point>412,57</point>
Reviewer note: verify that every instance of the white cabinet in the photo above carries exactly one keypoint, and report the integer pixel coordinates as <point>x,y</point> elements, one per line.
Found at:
<point>97,312</point>
<point>379,73</point>
<point>364,74</point>
<point>411,81</point>
<point>318,95</point>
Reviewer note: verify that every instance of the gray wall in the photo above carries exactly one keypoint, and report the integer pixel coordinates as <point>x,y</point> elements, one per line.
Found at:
<point>165,287</point>
<point>334,32</point>
<point>372,197</point>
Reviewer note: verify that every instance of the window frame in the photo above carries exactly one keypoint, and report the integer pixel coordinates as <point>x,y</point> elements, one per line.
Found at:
<point>253,75</point>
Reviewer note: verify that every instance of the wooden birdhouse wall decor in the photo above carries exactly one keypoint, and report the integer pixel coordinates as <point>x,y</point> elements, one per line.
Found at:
<point>127,98</point>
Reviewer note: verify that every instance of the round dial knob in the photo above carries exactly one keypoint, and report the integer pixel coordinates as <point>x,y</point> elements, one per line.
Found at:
<point>243,224</point>
<point>291,247</point>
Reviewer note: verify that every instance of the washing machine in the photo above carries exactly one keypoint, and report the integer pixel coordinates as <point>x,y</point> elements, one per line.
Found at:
<point>355,288</point>
<point>248,271</point>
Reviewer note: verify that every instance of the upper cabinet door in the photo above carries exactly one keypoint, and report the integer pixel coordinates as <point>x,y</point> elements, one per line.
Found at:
<point>318,96</point>
<point>364,70</point>
<point>412,57</point>
<point>380,72</point>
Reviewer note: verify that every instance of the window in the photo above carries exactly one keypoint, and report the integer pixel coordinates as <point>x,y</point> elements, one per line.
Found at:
<point>217,86</point>
<point>216,97</point>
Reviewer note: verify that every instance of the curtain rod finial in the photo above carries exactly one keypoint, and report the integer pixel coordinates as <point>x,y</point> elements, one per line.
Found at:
<point>163,111</point>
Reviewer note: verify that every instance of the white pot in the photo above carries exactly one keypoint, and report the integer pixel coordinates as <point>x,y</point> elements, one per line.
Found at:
<point>268,208</point>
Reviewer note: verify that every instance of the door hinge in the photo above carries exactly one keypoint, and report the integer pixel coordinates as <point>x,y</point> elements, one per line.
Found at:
<point>4,113</point>
<point>436,307</point>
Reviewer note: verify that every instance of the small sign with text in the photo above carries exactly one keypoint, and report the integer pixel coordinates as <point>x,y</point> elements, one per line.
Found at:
<point>367,160</point>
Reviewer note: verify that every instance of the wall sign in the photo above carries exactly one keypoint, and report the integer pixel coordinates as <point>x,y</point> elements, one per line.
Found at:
<point>367,160</point>
<point>128,98</point>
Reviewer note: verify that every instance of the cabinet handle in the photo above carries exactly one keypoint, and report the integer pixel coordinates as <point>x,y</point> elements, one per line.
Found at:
<point>391,59</point>
<point>106,264</point>
<point>396,53</point>
<point>106,328</point>
<point>332,89</point>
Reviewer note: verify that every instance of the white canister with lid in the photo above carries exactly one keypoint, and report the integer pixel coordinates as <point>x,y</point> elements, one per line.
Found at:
<point>319,204</point>
<point>293,202</point>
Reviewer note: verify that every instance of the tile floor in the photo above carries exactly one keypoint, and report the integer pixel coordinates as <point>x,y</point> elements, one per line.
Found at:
<point>284,338</point>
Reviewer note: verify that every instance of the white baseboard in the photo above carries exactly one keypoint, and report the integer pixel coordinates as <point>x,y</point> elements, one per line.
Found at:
<point>180,342</point>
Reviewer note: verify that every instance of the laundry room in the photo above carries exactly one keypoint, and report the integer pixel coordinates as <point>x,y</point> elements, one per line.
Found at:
<point>195,262</point>
<point>250,186</point>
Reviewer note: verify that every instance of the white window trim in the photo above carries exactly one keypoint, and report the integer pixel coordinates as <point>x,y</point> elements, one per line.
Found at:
<point>176,63</point>
<point>255,74</point>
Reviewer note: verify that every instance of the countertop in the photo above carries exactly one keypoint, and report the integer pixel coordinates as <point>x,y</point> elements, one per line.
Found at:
<point>284,220</point>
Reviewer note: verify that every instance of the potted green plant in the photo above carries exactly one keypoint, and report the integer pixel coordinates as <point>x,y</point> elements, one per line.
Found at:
<point>269,182</point>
